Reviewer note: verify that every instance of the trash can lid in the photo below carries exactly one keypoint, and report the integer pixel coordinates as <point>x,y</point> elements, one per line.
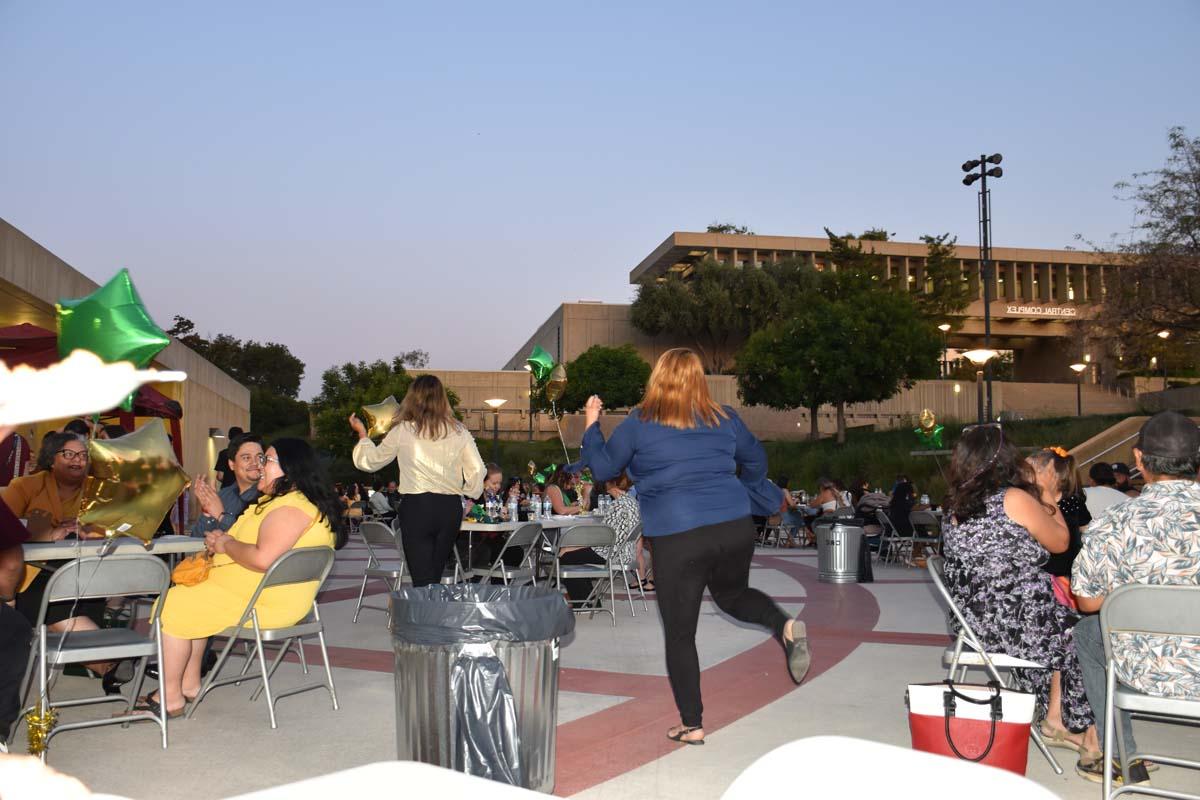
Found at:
<point>472,613</point>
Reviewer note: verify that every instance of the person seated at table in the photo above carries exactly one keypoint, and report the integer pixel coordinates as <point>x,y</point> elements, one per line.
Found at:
<point>623,516</point>
<point>827,499</point>
<point>354,502</point>
<point>297,509</point>
<point>493,484</point>
<point>15,630</point>
<point>562,489</point>
<point>902,503</point>
<point>1054,471</point>
<point>867,503</point>
<point>49,502</point>
<point>379,505</point>
<point>79,427</point>
<point>1121,473</point>
<point>219,510</point>
<point>1102,492</point>
<point>1000,528</point>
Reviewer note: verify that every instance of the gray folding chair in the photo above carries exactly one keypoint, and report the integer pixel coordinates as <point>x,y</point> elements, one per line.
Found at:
<point>889,544</point>
<point>379,539</point>
<point>521,540</point>
<point>930,521</point>
<point>302,565</point>
<point>1172,611</point>
<point>587,535</point>
<point>84,579</point>
<point>968,651</point>
<point>623,562</point>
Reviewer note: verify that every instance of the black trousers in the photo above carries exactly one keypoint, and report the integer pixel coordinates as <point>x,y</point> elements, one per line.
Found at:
<point>16,637</point>
<point>714,556</point>
<point>429,523</point>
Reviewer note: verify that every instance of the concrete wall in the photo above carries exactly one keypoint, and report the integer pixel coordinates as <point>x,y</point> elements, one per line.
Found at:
<point>32,279</point>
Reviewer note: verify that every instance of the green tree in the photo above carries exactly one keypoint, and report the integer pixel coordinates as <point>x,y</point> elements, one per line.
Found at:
<point>713,311</point>
<point>853,340</point>
<point>345,389</point>
<point>1156,285</point>
<point>267,369</point>
<point>948,293</point>
<point>728,227</point>
<point>618,374</point>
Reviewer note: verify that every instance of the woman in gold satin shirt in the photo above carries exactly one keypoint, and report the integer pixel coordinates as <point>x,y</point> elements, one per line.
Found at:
<point>439,465</point>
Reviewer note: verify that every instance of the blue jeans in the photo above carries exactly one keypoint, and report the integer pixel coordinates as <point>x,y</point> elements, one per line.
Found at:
<point>1089,649</point>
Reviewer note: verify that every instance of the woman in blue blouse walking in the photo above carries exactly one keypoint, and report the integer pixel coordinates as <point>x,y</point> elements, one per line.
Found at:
<point>698,472</point>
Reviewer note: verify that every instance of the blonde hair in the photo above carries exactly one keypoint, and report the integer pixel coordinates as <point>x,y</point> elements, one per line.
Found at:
<point>426,406</point>
<point>677,394</point>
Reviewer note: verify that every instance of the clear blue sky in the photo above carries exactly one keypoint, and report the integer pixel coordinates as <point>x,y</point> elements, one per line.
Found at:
<point>359,179</point>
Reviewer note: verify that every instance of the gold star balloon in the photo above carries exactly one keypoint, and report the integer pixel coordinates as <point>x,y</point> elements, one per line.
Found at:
<point>132,483</point>
<point>557,383</point>
<point>381,417</point>
<point>929,433</point>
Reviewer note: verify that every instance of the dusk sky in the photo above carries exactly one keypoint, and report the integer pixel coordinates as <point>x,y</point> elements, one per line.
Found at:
<point>360,179</point>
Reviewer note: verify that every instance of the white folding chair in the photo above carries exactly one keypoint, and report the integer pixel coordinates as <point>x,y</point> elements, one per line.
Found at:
<point>587,535</point>
<point>521,540</point>
<point>301,565</point>
<point>87,578</point>
<point>1172,611</point>
<point>379,538</point>
<point>968,651</point>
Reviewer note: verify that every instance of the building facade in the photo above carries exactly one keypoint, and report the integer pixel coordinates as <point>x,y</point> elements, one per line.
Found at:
<point>1038,296</point>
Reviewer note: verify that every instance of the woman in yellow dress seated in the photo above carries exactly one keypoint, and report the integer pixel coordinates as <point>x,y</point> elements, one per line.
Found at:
<point>296,510</point>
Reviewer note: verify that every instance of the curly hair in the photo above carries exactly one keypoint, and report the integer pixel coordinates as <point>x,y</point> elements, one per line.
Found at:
<point>984,462</point>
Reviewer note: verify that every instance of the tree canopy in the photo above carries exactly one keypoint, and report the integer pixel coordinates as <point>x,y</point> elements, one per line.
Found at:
<point>728,227</point>
<point>345,389</point>
<point>267,369</point>
<point>617,374</point>
<point>853,339</point>
<point>1156,283</point>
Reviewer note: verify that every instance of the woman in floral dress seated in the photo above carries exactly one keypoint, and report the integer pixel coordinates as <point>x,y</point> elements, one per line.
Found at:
<point>1001,528</point>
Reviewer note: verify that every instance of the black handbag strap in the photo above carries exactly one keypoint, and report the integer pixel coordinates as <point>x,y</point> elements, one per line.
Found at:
<point>997,713</point>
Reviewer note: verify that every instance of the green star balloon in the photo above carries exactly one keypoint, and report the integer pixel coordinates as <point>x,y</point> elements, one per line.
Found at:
<point>540,363</point>
<point>113,323</point>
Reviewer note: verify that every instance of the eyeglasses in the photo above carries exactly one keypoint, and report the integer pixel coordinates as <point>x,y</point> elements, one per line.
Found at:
<point>72,455</point>
<point>263,459</point>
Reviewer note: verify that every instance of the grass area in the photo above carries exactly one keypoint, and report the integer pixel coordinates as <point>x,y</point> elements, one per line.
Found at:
<point>879,456</point>
<point>876,455</point>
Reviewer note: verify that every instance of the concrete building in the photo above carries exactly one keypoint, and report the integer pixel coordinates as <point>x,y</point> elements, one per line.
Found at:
<point>32,279</point>
<point>1037,297</point>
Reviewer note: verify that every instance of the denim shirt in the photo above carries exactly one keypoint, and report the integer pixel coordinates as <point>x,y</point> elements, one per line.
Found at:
<point>235,503</point>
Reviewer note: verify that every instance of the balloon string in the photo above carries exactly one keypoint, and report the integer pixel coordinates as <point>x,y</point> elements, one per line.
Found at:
<point>561,440</point>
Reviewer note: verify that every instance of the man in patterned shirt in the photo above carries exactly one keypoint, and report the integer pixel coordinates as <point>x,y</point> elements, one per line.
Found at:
<point>1154,539</point>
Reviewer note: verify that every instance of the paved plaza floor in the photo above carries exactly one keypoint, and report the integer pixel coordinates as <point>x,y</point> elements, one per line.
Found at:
<point>868,641</point>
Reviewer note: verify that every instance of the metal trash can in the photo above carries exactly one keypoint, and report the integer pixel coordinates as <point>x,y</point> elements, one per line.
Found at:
<point>838,548</point>
<point>477,679</point>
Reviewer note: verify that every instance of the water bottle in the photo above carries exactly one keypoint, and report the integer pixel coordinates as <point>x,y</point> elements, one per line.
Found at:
<point>535,506</point>
<point>924,499</point>
<point>547,508</point>
<point>514,509</point>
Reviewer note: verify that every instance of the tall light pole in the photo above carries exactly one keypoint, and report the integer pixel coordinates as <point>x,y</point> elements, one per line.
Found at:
<point>494,405</point>
<point>985,246</point>
<point>1164,335</point>
<point>945,329</point>
<point>1079,368</point>
<point>529,369</point>
<point>980,359</point>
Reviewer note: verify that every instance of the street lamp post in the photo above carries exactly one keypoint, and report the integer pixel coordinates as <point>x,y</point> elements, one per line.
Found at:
<point>1079,368</point>
<point>495,406</point>
<point>985,246</point>
<point>1164,335</point>
<point>529,369</point>
<point>945,329</point>
<point>980,359</point>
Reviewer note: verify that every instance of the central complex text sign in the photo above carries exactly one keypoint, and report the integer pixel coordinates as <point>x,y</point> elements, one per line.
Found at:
<point>1041,311</point>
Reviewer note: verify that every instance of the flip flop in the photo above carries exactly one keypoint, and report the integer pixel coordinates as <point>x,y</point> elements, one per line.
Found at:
<point>684,731</point>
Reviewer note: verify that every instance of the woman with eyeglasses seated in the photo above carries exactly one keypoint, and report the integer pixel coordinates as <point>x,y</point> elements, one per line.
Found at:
<point>297,509</point>
<point>48,500</point>
<point>1001,527</point>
